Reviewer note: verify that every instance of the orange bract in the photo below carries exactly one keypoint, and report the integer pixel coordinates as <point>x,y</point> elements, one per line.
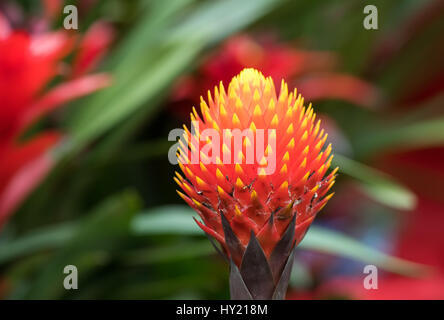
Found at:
<point>244,192</point>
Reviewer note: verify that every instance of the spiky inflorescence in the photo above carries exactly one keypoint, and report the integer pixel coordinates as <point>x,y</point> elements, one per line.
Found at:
<point>250,199</point>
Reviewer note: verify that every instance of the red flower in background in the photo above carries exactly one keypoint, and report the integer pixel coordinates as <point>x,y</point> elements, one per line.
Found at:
<point>421,238</point>
<point>421,241</point>
<point>311,72</point>
<point>28,64</point>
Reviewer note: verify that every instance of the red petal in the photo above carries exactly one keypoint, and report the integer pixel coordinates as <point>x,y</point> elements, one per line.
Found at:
<point>268,237</point>
<point>211,233</point>
<point>93,47</point>
<point>391,288</point>
<point>338,86</point>
<point>52,45</point>
<point>4,27</point>
<point>53,8</point>
<point>63,93</point>
<point>301,229</point>
<point>22,169</point>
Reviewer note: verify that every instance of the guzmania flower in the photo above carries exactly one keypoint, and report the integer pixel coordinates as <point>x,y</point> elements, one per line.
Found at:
<point>257,217</point>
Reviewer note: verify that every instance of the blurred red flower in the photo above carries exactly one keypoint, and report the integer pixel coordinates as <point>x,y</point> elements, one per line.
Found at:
<point>421,238</point>
<point>29,63</point>
<point>311,72</point>
<point>421,241</point>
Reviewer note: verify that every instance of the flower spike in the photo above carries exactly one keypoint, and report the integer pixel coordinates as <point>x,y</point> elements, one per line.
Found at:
<point>266,182</point>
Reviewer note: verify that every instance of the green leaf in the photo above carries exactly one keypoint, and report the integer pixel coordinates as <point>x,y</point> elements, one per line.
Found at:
<point>44,239</point>
<point>379,186</point>
<point>178,220</point>
<point>170,252</point>
<point>332,242</point>
<point>406,136</point>
<point>172,219</point>
<point>154,56</point>
<point>88,246</point>
<point>205,23</point>
<point>142,88</point>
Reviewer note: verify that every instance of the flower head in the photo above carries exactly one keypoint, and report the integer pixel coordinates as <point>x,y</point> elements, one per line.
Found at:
<point>224,187</point>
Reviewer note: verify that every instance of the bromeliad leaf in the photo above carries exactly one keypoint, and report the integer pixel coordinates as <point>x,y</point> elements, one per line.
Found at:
<point>178,220</point>
<point>379,186</point>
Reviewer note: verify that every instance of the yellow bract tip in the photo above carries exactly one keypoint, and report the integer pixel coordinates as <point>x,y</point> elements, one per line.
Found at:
<point>275,121</point>
<point>222,111</point>
<point>267,88</point>
<point>284,185</point>
<point>256,95</point>
<point>290,129</point>
<point>263,162</point>
<point>177,181</point>
<point>246,89</point>
<point>331,185</point>
<point>257,111</point>
<point>247,142</point>
<point>268,151</point>
<point>184,197</point>
<point>238,103</point>
<point>262,172</point>
<point>289,113</point>
<point>200,182</point>
<point>305,177</point>
<point>286,157</point>
<point>284,169</point>
<point>315,188</point>
<point>304,123</point>
<point>225,149</point>
<point>197,203</point>
<point>240,157</point>
<point>235,120</point>
<point>238,169</point>
<point>239,183</point>
<point>219,174</point>
<point>202,167</point>
<point>271,105</point>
